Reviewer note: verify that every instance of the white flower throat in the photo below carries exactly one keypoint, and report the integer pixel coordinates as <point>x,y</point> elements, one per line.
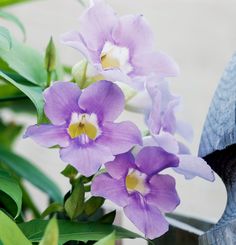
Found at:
<point>83,125</point>
<point>136,181</point>
<point>113,56</point>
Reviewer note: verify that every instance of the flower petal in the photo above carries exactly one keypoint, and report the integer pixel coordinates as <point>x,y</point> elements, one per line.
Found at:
<point>133,32</point>
<point>155,62</point>
<point>61,100</point>
<point>192,166</point>
<point>48,135</point>
<point>103,98</point>
<point>120,166</point>
<point>120,137</point>
<point>152,159</point>
<point>109,188</point>
<point>164,140</point>
<point>163,194</point>
<point>96,25</point>
<point>146,218</point>
<point>87,159</point>
<point>75,40</point>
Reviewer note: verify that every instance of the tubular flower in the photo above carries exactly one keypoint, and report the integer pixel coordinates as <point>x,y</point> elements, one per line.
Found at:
<point>119,48</point>
<point>82,124</point>
<point>136,185</point>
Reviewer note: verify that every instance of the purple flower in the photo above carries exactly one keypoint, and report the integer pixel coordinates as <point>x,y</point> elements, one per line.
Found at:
<point>120,48</point>
<point>160,107</point>
<point>137,186</point>
<point>190,166</point>
<point>82,124</point>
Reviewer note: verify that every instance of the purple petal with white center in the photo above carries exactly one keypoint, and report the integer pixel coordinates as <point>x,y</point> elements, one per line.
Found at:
<point>61,100</point>
<point>155,62</point>
<point>103,98</point>
<point>96,25</point>
<point>191,166</point>
<point>120,166</point>
<point>164,140</point>
<point>120,137</point>
<point>162,193</point>
<point>87,159</point>
<point>133,32</point>
<point>48,135</point>
<point>105,186</point>
<point>147,218</point>
<point>152,159</point>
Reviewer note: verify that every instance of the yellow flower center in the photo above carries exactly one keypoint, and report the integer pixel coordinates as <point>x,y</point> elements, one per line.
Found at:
<point>108,61</point>
<point>83,127</point>
<point>113,56</point>
<point>135,181</point>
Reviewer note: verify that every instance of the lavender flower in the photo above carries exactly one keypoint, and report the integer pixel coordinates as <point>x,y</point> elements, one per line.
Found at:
<point>82,124</point>
<point>120,48</point>
<point>138,187</point>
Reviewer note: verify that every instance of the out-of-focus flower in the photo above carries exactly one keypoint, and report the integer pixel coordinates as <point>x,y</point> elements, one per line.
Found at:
<point>120,48</point>
<point>82,124</point>
<point>190,166</point>
<point>136,185</point>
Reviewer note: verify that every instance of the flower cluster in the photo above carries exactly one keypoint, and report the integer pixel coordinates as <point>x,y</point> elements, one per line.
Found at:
<point>121,49</point>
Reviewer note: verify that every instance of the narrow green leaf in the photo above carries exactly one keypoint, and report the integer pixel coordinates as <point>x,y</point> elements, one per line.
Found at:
<point>33,92</point>
<point>5,3</point>
<point>51,233</point>
<point>9,186</point>
<point>5,38</point>
<point>31,173</point>
<point>10,233</point>
<point>75,231</point>
<point>92,205</point>
<point>69,172</point>
<point>15,20</point>
<point>26,61</point>
<point>107,240</point>
<point>74,205</point>
<point>52,208</point>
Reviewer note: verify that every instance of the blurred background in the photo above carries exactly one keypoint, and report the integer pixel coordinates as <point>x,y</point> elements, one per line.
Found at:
<point>199,34</point>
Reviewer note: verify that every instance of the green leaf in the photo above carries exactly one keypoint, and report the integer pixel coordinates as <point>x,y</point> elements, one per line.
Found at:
<point>4,3</point>
<point>33,92</point>
<point>10,186</point>
<point>5,38</point>
<point>31,173</point>
<point>51,233</point>
<point>92,205</point>
<point>15,20</point>
<point>10,233</point>
<point>74,205</point>
<point>107,240</point>
<point>70,230</point>
<point>108,218</point>
<point>70,172</point>
<point>9,132</point>
<point>52,208</point>
<point>26,61</point>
